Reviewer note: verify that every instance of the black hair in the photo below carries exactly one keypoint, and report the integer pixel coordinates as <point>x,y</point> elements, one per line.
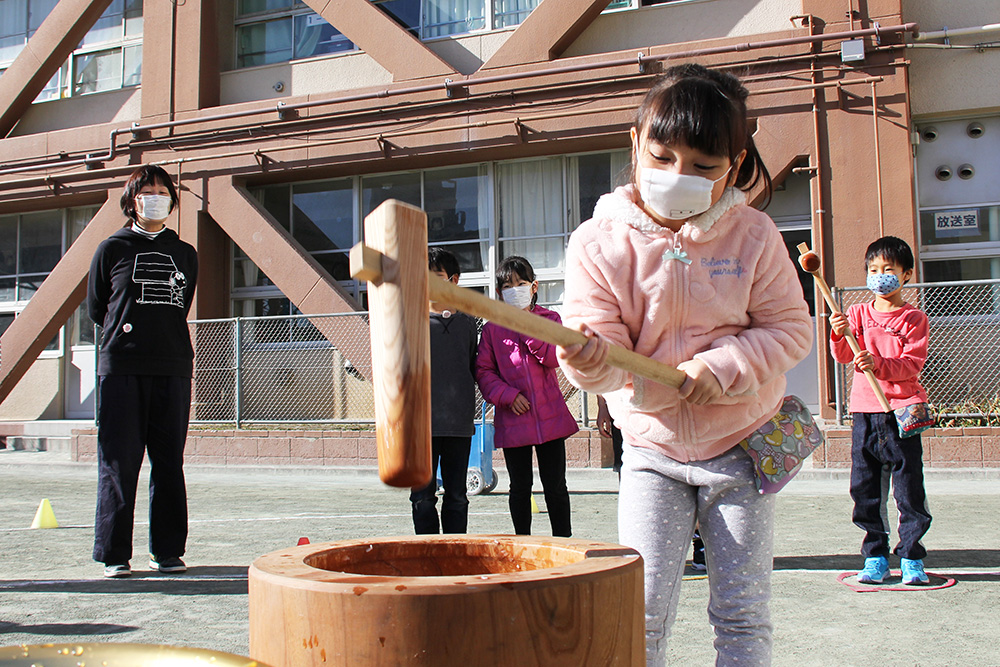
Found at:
<point>705,109</point>
<point>439,259</point>
<point>892,249</point>
<point>145,175</point>
<point>513,268</point>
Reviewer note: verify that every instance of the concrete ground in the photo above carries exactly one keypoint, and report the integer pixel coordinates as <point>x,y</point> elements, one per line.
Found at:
<point>50,590</point>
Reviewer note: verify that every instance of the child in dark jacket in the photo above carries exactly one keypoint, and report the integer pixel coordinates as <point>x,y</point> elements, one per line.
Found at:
<point>517,374</point>
<point>454,339</point>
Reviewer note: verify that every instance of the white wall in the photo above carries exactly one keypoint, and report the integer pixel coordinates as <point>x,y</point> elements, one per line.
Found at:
<point>693,20</point>
<point>38,395</point>
<point>954,81</point>
<point>622,30</point>
<point>122,105</point>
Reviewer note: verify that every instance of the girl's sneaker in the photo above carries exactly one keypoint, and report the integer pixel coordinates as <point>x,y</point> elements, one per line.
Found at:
<point>698,553</point>
<point>117,570</point>
<point>874,571</point>
<point>913,572</point>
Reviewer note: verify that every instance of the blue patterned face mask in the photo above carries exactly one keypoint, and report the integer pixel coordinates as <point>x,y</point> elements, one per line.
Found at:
<point>883,283</point>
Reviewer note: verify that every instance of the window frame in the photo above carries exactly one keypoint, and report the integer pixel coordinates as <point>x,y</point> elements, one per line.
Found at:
<point>67,70</point>
<point>480,280</point>
<point>17,305</point>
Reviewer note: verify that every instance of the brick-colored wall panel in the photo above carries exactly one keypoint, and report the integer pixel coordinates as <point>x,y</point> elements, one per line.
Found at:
<point>948,450</point>
<point>241,447</point>
<point>367,448</point>
<point>340,448</point>
<point>276,447</point>
<point>216,447</point>
<point>991,447</point>
<point>302,448</point>
<point>957,448</point>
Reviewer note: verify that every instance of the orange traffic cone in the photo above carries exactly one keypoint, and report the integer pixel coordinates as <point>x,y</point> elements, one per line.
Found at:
<point>302,540</point>
<point>45,517</point>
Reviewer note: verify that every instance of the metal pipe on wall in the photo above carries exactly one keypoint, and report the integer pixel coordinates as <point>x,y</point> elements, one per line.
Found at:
<point>282,109</point>
<point>878,164</point>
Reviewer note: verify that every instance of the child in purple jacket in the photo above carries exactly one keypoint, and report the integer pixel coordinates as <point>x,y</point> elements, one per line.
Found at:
<point>517,374</point>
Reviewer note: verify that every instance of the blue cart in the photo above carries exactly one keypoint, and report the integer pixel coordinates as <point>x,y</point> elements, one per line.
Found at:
<point>481,478</point>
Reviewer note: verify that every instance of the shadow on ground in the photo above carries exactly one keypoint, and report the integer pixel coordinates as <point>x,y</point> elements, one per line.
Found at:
<point>223,580</point>
<point>65,629</point>
<point>936,559</point>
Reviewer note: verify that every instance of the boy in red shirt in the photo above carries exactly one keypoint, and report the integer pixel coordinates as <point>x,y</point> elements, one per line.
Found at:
<point>893,337</point>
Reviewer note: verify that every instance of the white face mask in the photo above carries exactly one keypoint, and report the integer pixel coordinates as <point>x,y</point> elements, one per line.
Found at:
<point>676,196</point>
<point>519,297</point>
<point>153,207</point>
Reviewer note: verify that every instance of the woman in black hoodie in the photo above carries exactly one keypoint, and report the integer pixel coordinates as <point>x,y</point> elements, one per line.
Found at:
<point>142,279</point>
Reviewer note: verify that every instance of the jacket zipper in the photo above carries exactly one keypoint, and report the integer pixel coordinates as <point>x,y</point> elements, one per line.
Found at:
<point>683,407</point>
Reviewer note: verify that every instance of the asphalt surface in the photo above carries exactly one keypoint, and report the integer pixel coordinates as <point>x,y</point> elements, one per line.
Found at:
<point>51,591</point>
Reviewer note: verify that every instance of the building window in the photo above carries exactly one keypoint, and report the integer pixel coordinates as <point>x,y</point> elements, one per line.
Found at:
<point>109,56</point>
<point>273,31</point>
<point>31,245</point>
<point>482,213</point>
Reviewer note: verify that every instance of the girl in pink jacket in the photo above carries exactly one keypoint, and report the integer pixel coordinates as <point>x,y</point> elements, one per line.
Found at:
<point>677,267</point>
<point>517,374</point>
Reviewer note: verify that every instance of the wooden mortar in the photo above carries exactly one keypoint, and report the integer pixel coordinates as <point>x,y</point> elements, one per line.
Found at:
<point>448,601</point>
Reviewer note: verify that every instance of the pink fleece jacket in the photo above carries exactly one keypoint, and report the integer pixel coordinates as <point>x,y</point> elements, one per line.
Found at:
<point>510,363</point>
<point>722,289</point>
<point>898,343</point>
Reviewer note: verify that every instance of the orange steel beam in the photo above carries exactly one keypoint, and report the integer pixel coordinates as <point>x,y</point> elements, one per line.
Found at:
<point>43,55</point>
<point>387,42</point>
<point>548,31</point>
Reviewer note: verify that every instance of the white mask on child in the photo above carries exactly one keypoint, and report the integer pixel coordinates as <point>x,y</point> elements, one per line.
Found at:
<point>519,297</point>
<point>153,207</point>
<point>676,196</point>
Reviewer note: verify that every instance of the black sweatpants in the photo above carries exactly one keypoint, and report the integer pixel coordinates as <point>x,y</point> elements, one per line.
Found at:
<point>552,471</point>
<point>141,414</point>
<point>452,453</point>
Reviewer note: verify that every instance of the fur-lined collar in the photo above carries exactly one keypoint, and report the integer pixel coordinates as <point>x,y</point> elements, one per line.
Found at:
<point>621,205</point>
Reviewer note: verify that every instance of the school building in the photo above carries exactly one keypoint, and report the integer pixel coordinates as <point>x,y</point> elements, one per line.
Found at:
<point>285,122</point>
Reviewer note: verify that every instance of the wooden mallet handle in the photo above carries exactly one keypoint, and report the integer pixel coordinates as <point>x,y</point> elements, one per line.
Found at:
<point>810,263</point>
<point>522,321</point>
<point>474,303</point>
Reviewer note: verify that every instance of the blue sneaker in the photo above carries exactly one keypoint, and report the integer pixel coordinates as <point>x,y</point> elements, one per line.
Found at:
<point>875,570</point>
<point>913,572</point>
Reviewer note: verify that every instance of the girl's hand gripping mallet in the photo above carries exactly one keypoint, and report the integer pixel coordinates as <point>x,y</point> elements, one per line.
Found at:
<point>809,261</point>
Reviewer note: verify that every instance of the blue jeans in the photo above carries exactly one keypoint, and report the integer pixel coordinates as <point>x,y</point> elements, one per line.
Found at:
<point>453,455</point>
<point>879,455</point>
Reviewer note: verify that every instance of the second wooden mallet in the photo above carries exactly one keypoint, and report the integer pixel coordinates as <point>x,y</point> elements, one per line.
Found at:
<point>810,263</point>
<point>394,262</point>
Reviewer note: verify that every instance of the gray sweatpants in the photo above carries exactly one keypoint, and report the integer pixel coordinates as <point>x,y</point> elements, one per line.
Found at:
<point>659,501</point>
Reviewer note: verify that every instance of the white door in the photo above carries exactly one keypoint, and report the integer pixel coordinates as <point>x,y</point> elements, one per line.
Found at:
<point>81,367</point>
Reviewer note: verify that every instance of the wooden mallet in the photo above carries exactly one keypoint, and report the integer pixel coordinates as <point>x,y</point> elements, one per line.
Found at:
<point>394,262</point>
<point>810,263</point>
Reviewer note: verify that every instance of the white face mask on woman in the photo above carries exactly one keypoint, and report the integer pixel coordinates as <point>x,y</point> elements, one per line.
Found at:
<point>519,297</point>
<point>676,196</point>
<point>153,207</point>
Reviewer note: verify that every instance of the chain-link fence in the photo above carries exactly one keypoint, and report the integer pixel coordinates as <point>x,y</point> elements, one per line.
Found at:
<point>962,373</point>
<point>298,370</point>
